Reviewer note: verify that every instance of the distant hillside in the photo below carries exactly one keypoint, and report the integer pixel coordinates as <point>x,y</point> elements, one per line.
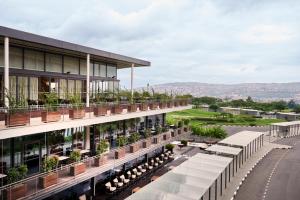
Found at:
<point>258,91</point>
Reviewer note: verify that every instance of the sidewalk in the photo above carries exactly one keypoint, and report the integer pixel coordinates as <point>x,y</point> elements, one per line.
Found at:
<point>237,179</point>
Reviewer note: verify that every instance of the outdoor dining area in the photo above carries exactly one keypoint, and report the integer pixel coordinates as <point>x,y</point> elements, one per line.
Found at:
<point>131,177</point>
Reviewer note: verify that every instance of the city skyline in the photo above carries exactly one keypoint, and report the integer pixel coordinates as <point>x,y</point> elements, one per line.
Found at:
<point>261,42</point>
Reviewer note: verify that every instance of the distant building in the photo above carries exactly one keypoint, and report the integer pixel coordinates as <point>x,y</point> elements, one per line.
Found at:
<point>234,111</point>
<point>288,116</point>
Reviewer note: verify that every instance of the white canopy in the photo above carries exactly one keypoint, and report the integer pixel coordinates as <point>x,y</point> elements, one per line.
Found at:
<point>242,138</point>
<point>224,149</point>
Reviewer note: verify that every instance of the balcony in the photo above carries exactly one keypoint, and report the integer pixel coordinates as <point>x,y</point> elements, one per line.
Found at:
<point>33,120</point>
<point>62,178</point>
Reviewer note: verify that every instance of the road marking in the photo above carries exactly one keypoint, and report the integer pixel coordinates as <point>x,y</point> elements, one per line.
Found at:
<point>271,174</point>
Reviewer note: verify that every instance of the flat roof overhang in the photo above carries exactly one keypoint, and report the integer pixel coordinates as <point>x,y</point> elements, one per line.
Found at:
<point>26,39</point>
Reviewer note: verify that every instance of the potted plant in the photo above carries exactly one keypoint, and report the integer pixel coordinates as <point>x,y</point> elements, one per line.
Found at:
<point>134,137</point>
<point>101,107</point>
<point>184,142</point>
<point>120,152</point>
<point>17,114</point>
<point>132,107</point>
<point>101,148</point>
<point>77,111</point>
<point>186,123</point>
<point>146,143</point>
<point>50,163</point>
<point>179,127</point>
<point>78,167</point>
<point>13,175</point>
<point>51,114</point>
<point>170,147</point>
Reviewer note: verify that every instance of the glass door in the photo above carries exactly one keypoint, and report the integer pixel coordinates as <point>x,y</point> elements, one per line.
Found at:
<point>31,154</point>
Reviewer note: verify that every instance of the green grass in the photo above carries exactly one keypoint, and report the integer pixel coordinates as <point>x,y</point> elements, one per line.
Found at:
<point>200,117</point>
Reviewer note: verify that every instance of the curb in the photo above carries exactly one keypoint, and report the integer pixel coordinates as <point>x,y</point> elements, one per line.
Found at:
<point>245,177</point>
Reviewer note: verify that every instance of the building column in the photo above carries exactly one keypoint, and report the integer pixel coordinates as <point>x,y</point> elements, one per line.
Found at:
<point>6,70</point>
<point>87,139</point>
<point>131,80</point>
<point>93,187</point>
<point>87,80</point>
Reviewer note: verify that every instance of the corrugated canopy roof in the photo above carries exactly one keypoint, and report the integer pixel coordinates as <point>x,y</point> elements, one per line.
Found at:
<point>224,149</point>
<point>190,180</point>
<point>242,138</point>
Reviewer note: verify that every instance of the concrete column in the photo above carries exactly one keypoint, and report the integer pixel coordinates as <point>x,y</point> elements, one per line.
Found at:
<point>93,187</point>
<point>225,177</point>
<point>131,80</point>
<point>221,184</point>
<point>6,69</point>
<point>216,189</point>
<point>87,80</point>
<point>87,140</point>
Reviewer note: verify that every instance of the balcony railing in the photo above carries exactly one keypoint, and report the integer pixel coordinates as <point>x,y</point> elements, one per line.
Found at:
<point>64,177</point>
<point>37,114</point>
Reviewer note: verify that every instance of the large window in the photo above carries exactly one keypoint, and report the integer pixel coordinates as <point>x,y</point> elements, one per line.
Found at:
<point>96,69</point>
<point>83,67</point>
<point>111,71</point>
<point>53,63</point>
<point>71,65</point>
<point>33,60</point>
<point>63,88</point>
<point>16,57</point>
<point>71,87</point>
<point>78,87</point>
<point>23,87</point>
<point>102,70</point>
<point>91,69</point>
<point>1,56</point>
<point>12,85</point>
<point>34,89</point>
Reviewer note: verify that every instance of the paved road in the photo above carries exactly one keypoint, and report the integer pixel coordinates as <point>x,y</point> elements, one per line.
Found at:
<point>277,177</point>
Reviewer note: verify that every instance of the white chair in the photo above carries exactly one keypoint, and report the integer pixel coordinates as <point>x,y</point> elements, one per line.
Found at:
<point>124,179</point>
<point>141,169</point>
<point>117,183</point>
<point>128,174</point>
<point>158,160</point>
<point>109,187</point>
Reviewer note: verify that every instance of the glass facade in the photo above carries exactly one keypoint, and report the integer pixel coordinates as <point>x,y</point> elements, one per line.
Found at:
<point>53,63</point>
<point>111,71</point>
<point>33,60</point>
<point>71,65</point>
<point>16,57</point>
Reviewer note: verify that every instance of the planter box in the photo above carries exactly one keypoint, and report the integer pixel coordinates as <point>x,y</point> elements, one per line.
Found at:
<point>162,105</point>
<point>134,147</point>
<point>16,192</point>
<point>51,116</point>
<point>173,134</point>
<point>155,140</point>
<point>17,119</point>
<point>48,180</point>
<point>179,131</point>
<point>132,108</point>
<point>166,136</point>
<point>170,104</point>
<point>146,143</point>
<point>117,109</point>
<point>78,168</point>
<point>143,107</point>
<point>153,106</point>
<point>185,129</point>
<point>102,160</point>
<point>120,153</point>
<point>176,103</point>
<point>100,111</point>
<point>76,113</point>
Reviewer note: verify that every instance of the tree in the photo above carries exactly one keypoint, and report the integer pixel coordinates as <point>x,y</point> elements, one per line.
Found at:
<point>214,107</point>
<point>297,109</point>
<point>291,104</point>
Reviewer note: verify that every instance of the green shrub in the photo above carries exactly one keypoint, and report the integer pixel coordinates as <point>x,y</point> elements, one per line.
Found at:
<point>121,141</point>
<point>15,174</point>
<point>170,147</point>
<point>184,142</point>
<point>186,121</point>
<point>50,163</point>
<point>134,137</point>
<point>75,156</point>
<point>102,147</point>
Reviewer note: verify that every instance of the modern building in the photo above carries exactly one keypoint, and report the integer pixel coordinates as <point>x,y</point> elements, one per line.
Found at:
<point>58,97</point>
<point>288,116</point>
<point>285,129</point>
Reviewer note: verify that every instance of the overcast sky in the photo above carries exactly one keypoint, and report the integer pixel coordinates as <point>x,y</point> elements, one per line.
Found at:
<point>213,41</point>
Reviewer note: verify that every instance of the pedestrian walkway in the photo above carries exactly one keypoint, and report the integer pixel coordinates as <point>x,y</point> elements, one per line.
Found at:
<point>251,162</point>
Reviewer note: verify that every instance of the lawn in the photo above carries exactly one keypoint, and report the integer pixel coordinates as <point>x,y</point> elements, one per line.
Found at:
<point>200,117</point>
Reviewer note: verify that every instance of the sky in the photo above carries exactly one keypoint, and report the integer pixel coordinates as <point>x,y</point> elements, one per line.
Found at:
<point>209,41</point>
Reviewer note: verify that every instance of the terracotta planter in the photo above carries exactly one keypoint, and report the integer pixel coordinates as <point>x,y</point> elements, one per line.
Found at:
<point>17,119</point>
<point>102,160</point>
<point>51,116</point>
<point>117,109</point>
<point>100,111</point>
<point>134,147</point>
<point>132,108</point>
<point>176,103</point>
<point>48,180</point>
<point>16,192</point>
<point>170,104</point>
<point>146,143</point>
<point>153,106</point>
<point>185,129</point>
<point>143,107</point>
<point>78,168</point>
<point>162,105</point>
<point>120,153</point>
<point>156,140</point>
<point>76,113</point>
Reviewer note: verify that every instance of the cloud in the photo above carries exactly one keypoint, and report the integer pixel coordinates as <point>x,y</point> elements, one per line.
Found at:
<point>224,41</point>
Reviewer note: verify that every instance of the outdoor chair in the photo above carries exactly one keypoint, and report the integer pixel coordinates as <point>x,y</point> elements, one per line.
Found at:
<point>128,174</point>
<point>125,180</point>
<point>141,169</point>
<point>117,183</point>
<point>110,188</point>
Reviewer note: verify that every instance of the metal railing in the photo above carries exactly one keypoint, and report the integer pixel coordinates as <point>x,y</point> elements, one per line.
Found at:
<point>33,185</point>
